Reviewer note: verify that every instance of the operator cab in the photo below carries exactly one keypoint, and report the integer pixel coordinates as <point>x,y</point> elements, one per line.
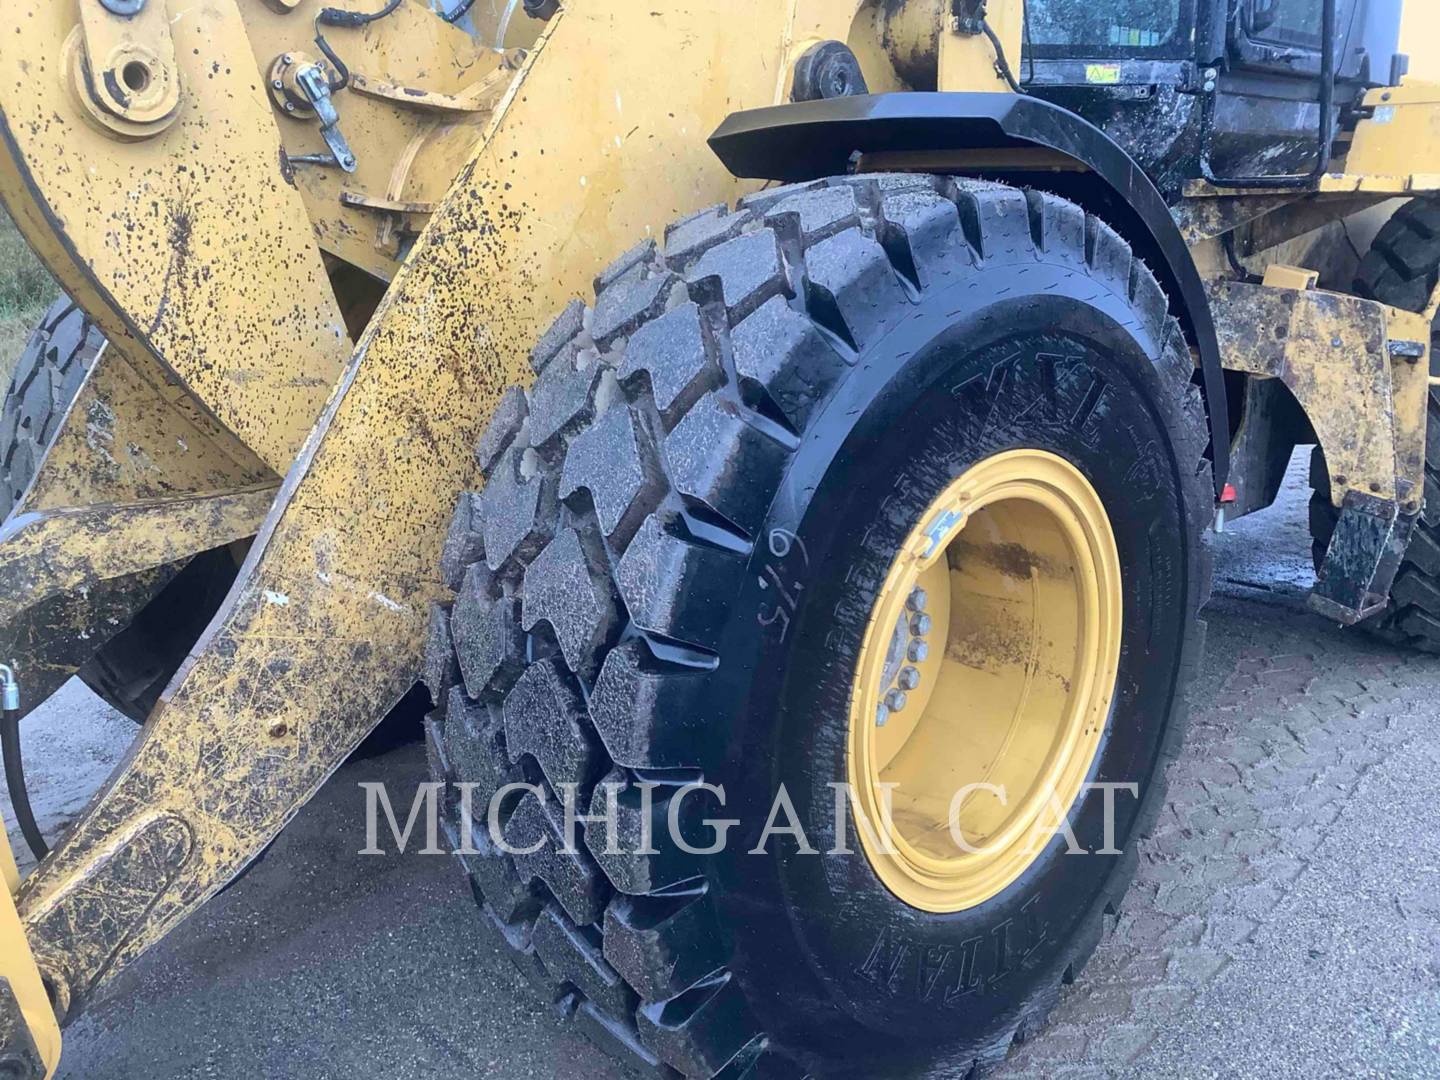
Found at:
<point>1225,90</point>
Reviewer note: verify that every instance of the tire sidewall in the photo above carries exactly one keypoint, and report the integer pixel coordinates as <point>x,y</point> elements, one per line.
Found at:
<point>959,380</point>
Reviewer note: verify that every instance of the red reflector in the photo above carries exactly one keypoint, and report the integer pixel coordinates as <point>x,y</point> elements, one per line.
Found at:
<point>1228,494</point>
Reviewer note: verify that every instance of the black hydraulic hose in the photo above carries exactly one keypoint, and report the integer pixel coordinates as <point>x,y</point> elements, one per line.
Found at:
<point>460,12</point>
<point>342,72</point>
<point>1002,64</point>
<point>15,781</point>
<point>1328,41</point>
<point>339,17</point>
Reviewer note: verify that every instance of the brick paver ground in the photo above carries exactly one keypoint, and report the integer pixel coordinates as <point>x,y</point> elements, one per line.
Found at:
<point>1285,920</point>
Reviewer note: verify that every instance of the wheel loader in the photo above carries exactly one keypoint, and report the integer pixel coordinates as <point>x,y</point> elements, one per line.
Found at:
<point>687,403</point>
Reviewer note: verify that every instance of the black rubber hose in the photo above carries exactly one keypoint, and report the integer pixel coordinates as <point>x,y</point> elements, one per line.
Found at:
<point>460,12</point>
<point>1002,64</point>
<point>338,17</point>
<point>15,781</point>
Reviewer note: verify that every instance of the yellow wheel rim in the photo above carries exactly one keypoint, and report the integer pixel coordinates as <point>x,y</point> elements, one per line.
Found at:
<point>997,675</point>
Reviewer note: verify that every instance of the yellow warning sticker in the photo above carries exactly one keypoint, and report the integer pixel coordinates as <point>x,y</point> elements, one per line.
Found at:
<point>1102,74</point>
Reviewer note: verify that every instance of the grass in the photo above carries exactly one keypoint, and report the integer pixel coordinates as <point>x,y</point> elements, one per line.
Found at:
<point>26,290</point>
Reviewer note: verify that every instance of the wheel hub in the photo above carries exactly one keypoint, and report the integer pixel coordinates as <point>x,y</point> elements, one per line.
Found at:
<point>985,680</point>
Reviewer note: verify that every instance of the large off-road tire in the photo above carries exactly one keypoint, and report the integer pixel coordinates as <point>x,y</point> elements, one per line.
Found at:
<point>131,669</point>
<point>667,578</point>
<point>47,377</point>
<point>1401,269</point>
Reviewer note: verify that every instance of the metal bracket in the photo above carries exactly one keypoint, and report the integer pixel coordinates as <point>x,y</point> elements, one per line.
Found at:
<point>314,83</point>
<point>123,66</point>
<point>967,17</point>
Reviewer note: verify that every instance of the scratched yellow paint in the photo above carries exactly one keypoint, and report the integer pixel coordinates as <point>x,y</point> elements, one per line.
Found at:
<point>598,145</point>
<point>188,247</point>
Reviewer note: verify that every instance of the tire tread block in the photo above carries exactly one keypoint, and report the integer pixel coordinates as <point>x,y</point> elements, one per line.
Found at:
<point>545,717</point>
<point>639,859</point>
<point>570,874</point>
<point>719,460</point>
<point>702,1030</point>
<point>742,273</point>
<point>613,461</point>
<point>464,541</point>
<point>677,589</point>
<point>784,362</point>
<point>679,355</point>
<point>567,588</point>
<point>517,512</point>
<point>488,642</point>
<point>851,288</point>
<point>648,718</point>
<point>573,954</point>
<point>663,946</point>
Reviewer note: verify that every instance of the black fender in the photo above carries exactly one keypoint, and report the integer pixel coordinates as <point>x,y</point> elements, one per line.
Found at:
<point>812,139</point>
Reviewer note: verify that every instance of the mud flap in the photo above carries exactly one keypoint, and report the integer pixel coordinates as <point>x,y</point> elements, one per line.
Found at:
<point>1363,558</point>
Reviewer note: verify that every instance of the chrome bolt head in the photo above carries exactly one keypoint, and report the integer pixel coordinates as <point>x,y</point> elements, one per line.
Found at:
<point>920,624</point>
<point>916,600</point>
<point>908,679</point>
<point>918,652</point>
<point>882,714</point>
<point>896,700</point>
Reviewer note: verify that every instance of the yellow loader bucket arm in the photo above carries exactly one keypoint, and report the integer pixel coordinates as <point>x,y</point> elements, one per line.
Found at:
<point>322,631</point>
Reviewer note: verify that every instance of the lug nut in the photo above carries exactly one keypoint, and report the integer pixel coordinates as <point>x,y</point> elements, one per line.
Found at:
<point>908,678</point>
<point>918,652</point>
<point>916,600</point>
<point>882,714</point>
<point>920,624</point>
<point>895,700</point>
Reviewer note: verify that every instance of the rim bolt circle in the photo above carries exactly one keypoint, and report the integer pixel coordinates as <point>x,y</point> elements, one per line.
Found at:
<point>919,651</point>
<point>896,700</point>
<point>908,679</point>
<point>916,600</point>
<point>920,624</point>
